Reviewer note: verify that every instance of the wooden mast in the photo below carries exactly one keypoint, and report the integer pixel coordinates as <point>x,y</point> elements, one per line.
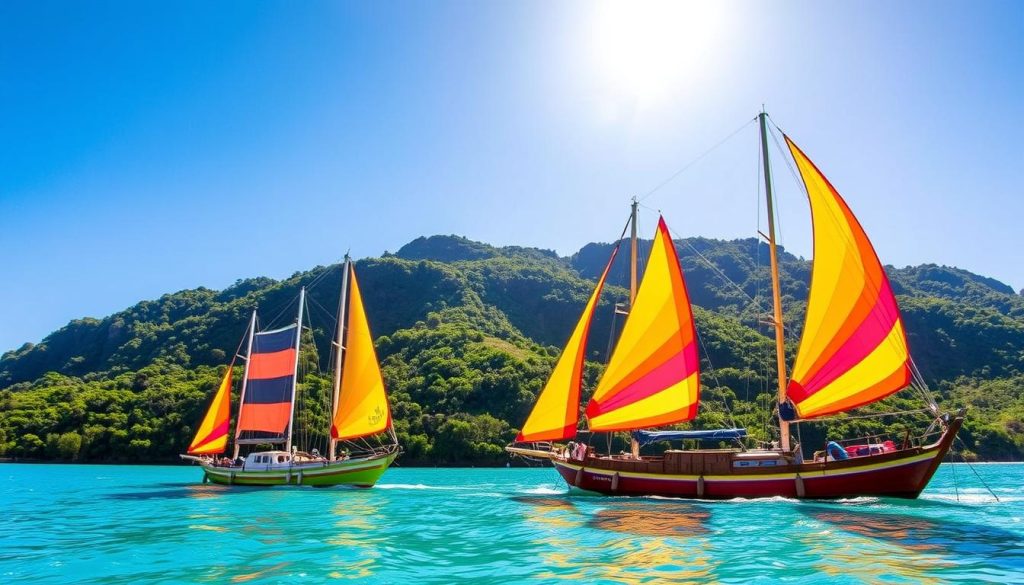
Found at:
<point>295,381</point>
<point>634,445</point>
<point>245,380</point>
<point>632,253</point>
<point>339,351</point>
<point>780,340</point>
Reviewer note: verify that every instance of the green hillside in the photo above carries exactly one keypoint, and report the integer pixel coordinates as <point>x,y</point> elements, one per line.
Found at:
<point>467,335</point>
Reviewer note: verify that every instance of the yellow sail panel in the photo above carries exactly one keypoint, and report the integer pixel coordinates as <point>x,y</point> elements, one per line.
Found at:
<point>854,349</point>
<point>557,411</point>
<point>653,377</point>
<point>212,436</point>
<point>362,401</point>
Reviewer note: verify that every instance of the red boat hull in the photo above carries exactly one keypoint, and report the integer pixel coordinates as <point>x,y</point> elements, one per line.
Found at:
<point>902,474</point>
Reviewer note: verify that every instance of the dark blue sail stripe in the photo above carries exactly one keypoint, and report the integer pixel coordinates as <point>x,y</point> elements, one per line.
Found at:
<point>274,340</point>
<point>269,391</point>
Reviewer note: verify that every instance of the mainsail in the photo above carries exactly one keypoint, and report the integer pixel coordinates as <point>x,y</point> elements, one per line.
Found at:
<point>270,382</point>
<point>653,376</point>
<point>212,435</point>
<point>362,408</point>
<point>557,411</point>
<point>853,350</point>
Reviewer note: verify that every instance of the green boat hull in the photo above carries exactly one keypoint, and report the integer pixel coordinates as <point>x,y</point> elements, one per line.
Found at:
<point>358,472</point>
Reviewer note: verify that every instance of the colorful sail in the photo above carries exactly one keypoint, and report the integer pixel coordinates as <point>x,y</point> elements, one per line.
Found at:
<point>362,402</point>
<point>557,411</point>
<point>853,350</point>
<point>212,435</point>
<point>653,376</point>
<point>270,382</point>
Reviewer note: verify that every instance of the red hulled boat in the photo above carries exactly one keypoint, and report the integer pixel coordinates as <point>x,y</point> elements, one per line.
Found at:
<point>853,352</point>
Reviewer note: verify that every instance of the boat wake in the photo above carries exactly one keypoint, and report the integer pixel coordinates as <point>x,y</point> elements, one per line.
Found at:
<point>544,491</point>
<point>420,486</point>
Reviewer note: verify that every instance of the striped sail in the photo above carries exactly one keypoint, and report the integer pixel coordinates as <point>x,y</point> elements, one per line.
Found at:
<point>270,382</point>
<point>212,435</point>
<point>556,414</point>
<point>853,350</point>
<point>653,377</point>
<point>362,401</point>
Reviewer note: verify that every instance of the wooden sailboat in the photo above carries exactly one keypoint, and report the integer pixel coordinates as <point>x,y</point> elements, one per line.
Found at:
<point>853,352</point>
<point>359,409</point>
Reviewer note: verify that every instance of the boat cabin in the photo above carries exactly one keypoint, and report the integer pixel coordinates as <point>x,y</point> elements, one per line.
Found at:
<point>267,460</point>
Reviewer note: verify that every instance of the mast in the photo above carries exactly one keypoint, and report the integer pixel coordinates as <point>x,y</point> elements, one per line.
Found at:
<point>780,341</point>
<point>634,445</point>
<point>245,379</point>
<point>339,351</point>
<point>295,382</point>
<point>632,253</point>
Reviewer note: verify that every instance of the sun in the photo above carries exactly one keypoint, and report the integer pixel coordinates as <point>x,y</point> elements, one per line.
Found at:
<point>651,49</point>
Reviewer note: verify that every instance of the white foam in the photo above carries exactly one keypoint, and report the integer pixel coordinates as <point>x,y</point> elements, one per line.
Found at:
<point>544,491</point>
<point>419,486</point>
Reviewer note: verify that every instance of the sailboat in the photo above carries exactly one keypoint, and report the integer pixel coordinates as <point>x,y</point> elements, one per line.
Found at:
<point>359,408</point>
<point>853,352</point>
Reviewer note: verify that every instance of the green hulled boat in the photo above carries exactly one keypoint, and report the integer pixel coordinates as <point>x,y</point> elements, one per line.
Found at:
<point>360,422</point>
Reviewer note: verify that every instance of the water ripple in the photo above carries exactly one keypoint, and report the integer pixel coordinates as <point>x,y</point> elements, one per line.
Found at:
<point>99,524</point>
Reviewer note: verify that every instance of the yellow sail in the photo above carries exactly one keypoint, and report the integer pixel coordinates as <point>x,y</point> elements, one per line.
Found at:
<point>212,435</point>
<point>853,350</point>
<point>653,377</point>
<point>557,411</point>
<point>362,401</point>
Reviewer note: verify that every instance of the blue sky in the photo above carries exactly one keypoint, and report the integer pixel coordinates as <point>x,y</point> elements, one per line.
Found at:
<point>151,147</point>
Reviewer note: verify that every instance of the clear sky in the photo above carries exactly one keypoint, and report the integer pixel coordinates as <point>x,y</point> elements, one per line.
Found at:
<point>149,147</point>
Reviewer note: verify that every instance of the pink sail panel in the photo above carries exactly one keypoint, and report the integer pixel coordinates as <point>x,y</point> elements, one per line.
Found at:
<point>556,414</point>
<point>653,376</point>
<point>853,350</point>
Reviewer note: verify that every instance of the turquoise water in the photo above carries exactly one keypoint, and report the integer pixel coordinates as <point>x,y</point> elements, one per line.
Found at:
<point>121,524</point>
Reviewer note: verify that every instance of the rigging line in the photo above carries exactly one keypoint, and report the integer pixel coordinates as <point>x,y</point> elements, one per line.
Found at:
<point>714,375</point>
<point>952,465</point>
<point>971,467</point>
<point>869,415</point>
<point>870,283</point>
<point>696,160</point>
<point>715,269</point>
<point>280,313</point>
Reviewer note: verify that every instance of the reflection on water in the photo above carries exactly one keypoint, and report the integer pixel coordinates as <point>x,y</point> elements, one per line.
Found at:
<point>653,519</point>
<point>356,520</point>
<point>273,571</point>
<point>615,540</point>
<point>181,491</point>
<point>153,525</point>
<point>930,543</point>
<point>649,560</point>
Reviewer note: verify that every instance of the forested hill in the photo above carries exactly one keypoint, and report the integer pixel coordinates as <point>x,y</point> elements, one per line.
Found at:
<point>467,335</point>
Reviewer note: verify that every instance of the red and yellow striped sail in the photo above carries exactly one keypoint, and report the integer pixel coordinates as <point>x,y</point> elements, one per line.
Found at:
<point>557,411</point>
<point>653,377</point>
<point>362,401</point>
<point>212,435</point>
<point>853,350</point>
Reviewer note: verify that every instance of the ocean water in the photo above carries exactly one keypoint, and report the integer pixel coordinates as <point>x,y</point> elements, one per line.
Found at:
<point>136,524</point>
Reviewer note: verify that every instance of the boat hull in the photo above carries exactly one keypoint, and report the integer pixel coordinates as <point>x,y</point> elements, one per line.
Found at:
<point>359,472</point>
<point>901,474</point>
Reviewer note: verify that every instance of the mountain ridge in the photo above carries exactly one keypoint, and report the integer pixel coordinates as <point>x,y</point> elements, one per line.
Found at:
<point>467,333</point>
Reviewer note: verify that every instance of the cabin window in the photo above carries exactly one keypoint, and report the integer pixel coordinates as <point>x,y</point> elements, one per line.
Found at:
<point>280,458</point>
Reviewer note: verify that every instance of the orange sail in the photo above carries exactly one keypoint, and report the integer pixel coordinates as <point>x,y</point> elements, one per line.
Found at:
<point>212,436</point>
<point>653,377</point>
<point>853,350</point>
<point>557,411</point>
<point>362,401</point>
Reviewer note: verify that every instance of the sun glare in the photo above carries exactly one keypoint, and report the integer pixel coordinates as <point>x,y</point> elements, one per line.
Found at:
<point>651,49</point>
